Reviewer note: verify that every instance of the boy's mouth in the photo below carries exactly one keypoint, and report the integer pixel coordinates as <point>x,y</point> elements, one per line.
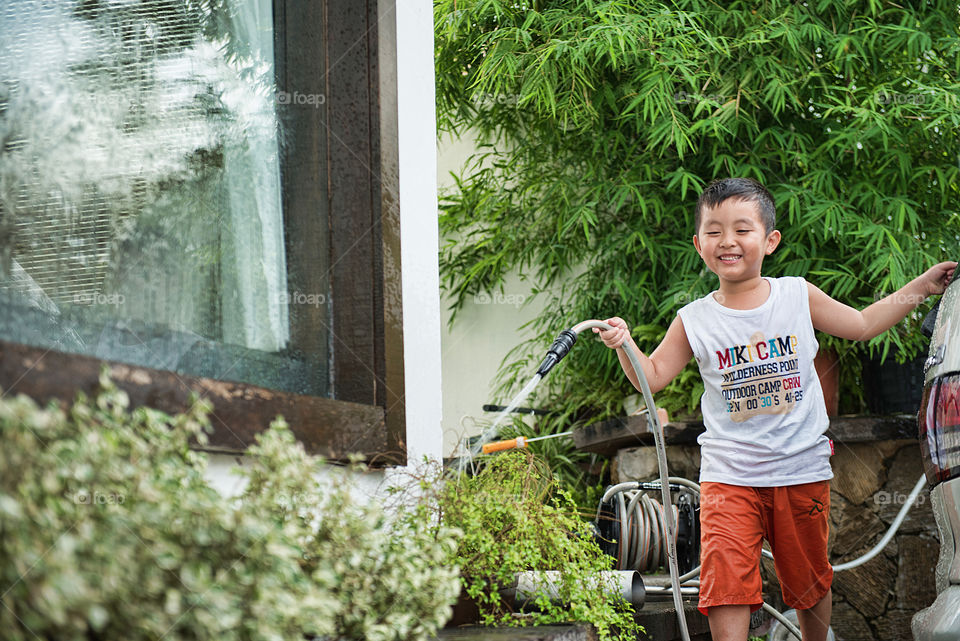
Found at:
<point>730,258</point>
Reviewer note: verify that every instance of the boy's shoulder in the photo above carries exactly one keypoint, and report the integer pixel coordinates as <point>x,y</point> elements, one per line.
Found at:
<point>791,290</point>
<point>795,281</point>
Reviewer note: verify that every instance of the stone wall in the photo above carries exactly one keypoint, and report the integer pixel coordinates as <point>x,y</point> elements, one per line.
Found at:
<point>875,601</point>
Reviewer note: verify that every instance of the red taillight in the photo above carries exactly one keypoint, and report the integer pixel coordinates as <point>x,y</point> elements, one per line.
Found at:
<point>939,423</point>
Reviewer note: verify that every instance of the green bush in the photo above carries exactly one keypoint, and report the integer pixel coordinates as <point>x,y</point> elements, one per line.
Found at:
<point>602,121</point>
<point>109,530</point>
<point>515,517</point>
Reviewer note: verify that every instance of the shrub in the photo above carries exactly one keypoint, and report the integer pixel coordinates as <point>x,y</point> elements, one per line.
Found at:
<point>515,517</point>
<point>109,530</point>
<point>601,122</point>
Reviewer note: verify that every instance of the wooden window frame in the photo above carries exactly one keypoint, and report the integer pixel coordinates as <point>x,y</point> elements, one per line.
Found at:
<point>340,184</point>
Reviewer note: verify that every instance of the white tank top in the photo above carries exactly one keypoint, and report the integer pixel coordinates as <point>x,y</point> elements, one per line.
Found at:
<point>762,403</point>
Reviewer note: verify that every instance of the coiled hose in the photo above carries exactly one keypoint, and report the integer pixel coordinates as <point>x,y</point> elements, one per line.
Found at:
<point>642,526</point>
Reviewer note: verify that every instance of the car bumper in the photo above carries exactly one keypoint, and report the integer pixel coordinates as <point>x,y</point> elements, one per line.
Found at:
<point>941,621</point>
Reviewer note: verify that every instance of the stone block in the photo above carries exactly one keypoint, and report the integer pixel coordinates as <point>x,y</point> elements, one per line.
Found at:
<point>640,463</point>
<point>895,624</point>
<point>848,624</point>
<point>635,464</point>
<point>684,461</point>
<point>838,506</point>
<point>867,588</point>
<point>858,470</point>
<point>916,586</point>
<point>904,469</point>
<point>856,527</point>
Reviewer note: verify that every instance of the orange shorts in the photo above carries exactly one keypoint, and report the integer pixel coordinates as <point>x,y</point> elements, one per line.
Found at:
<point>734,520</point>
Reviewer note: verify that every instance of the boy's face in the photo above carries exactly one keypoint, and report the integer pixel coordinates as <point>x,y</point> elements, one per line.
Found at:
<point>732,240</point>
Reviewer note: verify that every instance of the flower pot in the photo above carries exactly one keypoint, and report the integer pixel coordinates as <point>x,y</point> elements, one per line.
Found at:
<point>891,387</point>
<point>827,364</point>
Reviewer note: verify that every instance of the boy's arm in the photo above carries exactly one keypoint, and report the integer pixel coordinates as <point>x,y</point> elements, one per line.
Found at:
<point>833,317</point>
<point>663,365</point>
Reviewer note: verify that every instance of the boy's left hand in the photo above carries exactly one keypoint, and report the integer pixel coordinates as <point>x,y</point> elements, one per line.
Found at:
<point>938,277</point>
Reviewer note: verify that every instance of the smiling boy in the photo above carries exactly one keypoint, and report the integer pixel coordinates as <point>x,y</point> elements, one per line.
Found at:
<point>765,461</point>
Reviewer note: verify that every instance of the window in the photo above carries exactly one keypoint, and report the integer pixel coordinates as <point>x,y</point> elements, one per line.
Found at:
<point>196,193</point>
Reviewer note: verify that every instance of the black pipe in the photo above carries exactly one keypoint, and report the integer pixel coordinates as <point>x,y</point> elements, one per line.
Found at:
<point>517,410</point>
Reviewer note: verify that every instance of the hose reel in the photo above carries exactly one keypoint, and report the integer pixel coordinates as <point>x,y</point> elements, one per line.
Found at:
<point>631,527</point>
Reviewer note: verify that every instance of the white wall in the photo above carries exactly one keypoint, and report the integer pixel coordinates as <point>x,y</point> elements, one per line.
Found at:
<point>486,329</point>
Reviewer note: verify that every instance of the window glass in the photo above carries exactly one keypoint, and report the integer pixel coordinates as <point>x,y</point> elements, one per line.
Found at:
<point>141,215</point>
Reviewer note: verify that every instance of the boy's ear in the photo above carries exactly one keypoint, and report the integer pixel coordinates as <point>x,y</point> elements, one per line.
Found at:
<point>773,240</point>
<point>696,243</point>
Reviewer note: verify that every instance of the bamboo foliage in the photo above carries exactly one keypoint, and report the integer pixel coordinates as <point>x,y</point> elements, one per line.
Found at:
<point>600,122</point>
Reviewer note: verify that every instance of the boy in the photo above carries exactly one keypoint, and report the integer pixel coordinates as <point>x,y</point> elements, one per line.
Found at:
<point>765,459</point>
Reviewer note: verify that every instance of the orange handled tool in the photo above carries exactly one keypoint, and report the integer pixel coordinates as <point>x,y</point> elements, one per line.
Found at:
<point>517,443</point>
<point>509,444</point>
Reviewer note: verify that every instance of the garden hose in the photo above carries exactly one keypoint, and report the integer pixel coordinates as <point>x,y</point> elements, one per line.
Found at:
<point>641,541</point>
<point>660,523</point>
<point>670,524</point>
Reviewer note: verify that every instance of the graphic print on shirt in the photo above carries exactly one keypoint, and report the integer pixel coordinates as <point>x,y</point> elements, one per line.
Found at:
<point>760,377</point>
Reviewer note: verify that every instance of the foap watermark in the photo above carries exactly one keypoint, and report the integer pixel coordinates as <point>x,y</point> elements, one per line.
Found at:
<point>294,501</point>
<point>884,97</point>
<point>490,99</point>
<point>301,298</point>
<point>895,498</point>
<point>314,100</point>
<point>498,298</point>
<point>682,298</point>
<point>106,101</point>
<point>86,497</point>
<point>712,500</point>
<point>98,298</point>
<point>684,98</point>
<point>901,298</point>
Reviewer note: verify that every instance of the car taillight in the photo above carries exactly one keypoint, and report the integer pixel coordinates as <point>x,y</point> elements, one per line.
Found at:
<point>939,423</point>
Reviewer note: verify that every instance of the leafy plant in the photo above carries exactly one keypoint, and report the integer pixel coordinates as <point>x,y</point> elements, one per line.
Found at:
<point>109,530</point>
<point>515,517</point>
<point>599,123</point>
<point>580,473</point>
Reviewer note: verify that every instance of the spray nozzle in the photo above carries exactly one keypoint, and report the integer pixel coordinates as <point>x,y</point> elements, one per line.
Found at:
<point>561,345</point>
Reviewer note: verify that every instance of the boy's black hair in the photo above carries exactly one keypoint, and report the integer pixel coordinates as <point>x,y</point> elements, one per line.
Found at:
<point>746,189</point>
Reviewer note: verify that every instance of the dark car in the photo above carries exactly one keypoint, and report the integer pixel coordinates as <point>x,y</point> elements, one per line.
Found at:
<point>939,422</point>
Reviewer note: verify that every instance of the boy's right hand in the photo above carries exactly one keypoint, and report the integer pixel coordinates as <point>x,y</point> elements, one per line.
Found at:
<point>616,337</point>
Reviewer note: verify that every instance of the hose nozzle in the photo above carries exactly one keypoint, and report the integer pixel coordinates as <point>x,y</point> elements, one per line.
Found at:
<point>561,345</point>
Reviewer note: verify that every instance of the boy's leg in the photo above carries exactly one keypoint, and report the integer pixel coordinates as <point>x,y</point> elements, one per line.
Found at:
<point>797,528</point>
<point>815,621</point>
<point>730,622</point>
<point>730,539</point>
